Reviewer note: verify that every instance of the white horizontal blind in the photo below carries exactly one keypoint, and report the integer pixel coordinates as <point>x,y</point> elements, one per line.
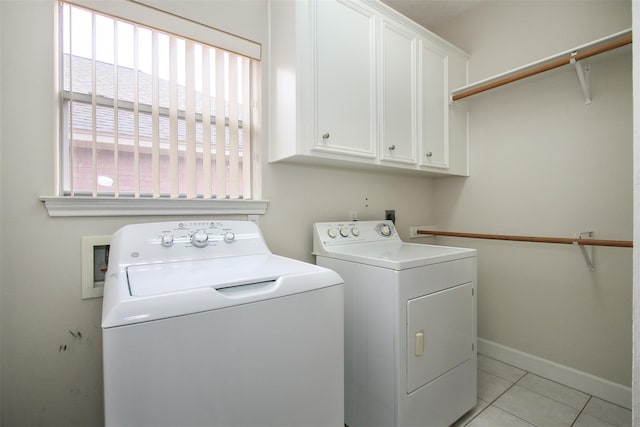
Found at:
<point>149,113</point>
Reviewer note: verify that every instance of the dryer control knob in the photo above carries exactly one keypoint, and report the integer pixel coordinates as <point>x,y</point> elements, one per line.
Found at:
<point>355,231</point>
<point>344,232</point>
<point>200,239</point>
<point>167,240</point>
<point>229,237</point>
<point>332,233</point>
<point>385,230</point>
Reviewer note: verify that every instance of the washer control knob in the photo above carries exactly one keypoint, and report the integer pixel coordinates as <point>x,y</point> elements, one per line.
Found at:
<point>167,240</point>
<point>229,237</point>
<point>200,239</point>
<point>344,232</point>
<point>385,230</point>
<point>355,231</point>
<point>332,233</point>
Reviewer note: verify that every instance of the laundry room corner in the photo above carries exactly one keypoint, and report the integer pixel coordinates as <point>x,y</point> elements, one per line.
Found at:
<point>548,163</point>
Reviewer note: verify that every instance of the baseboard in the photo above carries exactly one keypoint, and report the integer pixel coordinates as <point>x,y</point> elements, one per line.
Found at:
<point>590,384</point>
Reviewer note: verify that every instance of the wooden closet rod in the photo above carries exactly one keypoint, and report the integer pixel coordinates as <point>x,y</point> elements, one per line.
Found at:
<point>575,54</point>
<point>562,240</point>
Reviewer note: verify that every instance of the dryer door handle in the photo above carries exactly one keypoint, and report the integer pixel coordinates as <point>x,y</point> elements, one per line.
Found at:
<point>419,348</point>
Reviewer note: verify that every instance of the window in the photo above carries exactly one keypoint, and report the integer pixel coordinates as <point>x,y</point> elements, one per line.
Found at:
<point>147,113</point>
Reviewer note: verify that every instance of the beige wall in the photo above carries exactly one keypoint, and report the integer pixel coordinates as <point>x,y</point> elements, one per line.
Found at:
<point>545,164</point>
<point>40,264</point>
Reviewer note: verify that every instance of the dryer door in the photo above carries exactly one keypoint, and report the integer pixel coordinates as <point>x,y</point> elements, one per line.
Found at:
<point>440,334</point>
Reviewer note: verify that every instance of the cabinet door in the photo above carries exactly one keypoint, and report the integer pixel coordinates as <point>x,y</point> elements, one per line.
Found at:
<point>434,125</point>
<point>398,94</point>
<point>345,43</point>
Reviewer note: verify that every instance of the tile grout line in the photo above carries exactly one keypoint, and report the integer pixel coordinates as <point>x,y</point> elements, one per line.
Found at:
<point>493,401</point>
<point>558,401</point>
<point>506,364</point>
<point>582,411</point>
<point>511,413</point>
<point>546,397</point>
<point>597,417</point>
<point>506,410</point>
<point>560,384</point>
<point>500,395</point>
<point>503,378</point>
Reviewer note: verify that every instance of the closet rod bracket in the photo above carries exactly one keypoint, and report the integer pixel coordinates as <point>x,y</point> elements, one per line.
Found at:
<point>582,70</point>
<point>587,251</point>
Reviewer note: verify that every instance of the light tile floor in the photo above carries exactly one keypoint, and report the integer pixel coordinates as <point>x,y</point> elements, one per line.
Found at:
<point>511,397</point>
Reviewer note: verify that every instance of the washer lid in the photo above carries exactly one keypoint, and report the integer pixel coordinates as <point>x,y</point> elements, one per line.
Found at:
<point>150,292</point>
<point>216,273</point>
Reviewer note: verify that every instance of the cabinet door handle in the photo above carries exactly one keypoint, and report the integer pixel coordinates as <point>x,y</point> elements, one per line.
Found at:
<point>429,154</point>
<point>325,135</point>
<point>392,147</point>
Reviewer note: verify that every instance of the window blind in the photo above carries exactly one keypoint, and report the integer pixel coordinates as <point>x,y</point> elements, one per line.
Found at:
<point>150,113</point>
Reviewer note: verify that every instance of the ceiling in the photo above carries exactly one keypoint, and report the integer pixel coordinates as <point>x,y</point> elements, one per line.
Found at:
<point>432,13</point>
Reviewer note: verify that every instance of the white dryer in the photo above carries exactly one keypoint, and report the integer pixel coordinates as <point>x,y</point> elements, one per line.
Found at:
<point>410,325</point>
<point>204,326</point>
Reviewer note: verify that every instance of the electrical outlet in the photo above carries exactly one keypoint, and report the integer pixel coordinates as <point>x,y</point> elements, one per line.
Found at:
<point>353,215</point>
<point>390,214</point>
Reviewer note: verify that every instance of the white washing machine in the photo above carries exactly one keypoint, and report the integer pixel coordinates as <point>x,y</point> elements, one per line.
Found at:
<point>410,325</point>
<point>204,326</point>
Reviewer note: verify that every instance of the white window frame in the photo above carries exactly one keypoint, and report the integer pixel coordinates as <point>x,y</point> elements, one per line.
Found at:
<point>61,205</point>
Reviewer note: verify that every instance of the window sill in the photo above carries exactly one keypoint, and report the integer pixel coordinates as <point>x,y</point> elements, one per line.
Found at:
<point>65,206</point>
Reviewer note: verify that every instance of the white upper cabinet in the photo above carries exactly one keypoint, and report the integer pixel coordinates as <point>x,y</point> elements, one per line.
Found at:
<point>398,93</point>
<point>345,79</point>
<point>354,83</point>
<point>433,123</point>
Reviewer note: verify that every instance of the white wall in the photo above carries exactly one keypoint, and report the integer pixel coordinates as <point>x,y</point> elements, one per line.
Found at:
<point>40,256</point>
<point>545,164</point>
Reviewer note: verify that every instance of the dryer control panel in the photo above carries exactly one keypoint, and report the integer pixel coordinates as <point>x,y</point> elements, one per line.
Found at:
<point>341,233</point>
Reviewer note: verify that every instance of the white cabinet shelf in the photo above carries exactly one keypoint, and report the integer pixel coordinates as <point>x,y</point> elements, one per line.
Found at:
<point>354,83</point>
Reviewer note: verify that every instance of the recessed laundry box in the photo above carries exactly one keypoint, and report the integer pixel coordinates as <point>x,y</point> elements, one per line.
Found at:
<point>410,324</point>
<point>204,326</point>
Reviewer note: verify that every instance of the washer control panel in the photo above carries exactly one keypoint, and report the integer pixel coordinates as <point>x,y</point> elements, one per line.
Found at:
<point>186,240</point>
<point>339,233</point>
<point>198,234</point>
